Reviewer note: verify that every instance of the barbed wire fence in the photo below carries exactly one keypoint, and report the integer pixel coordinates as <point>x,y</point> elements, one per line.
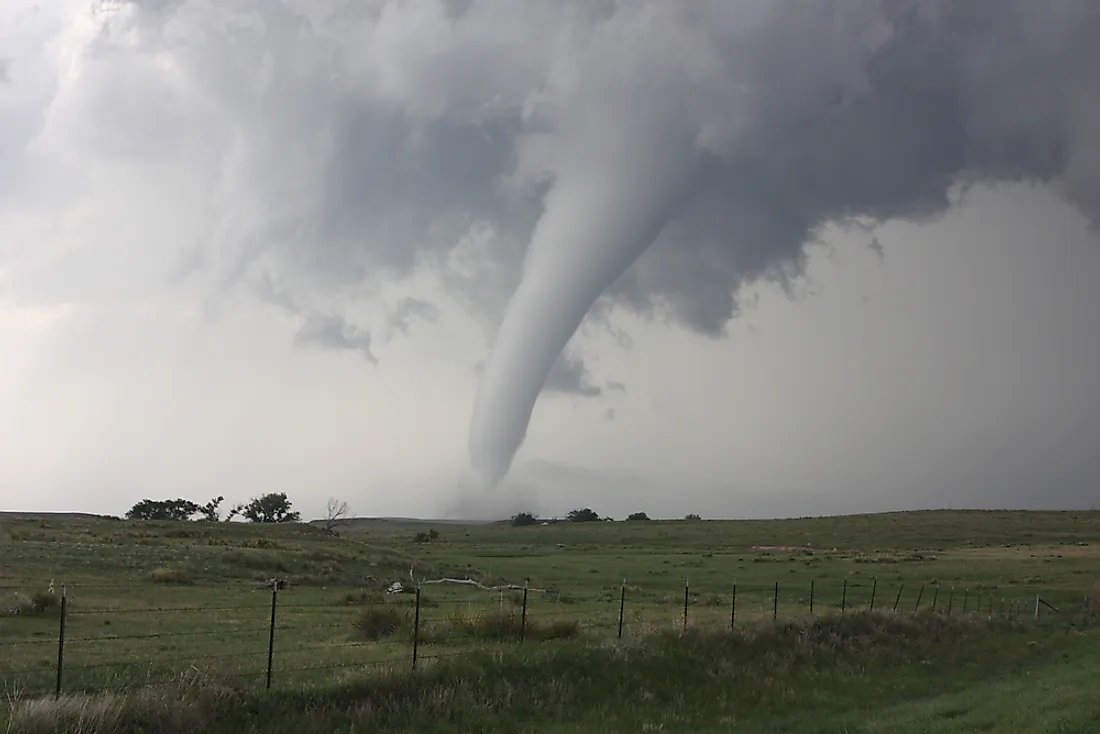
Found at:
<point>277,638</point>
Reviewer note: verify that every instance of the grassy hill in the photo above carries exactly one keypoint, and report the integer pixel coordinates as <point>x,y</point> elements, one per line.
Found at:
<point>153,601</point>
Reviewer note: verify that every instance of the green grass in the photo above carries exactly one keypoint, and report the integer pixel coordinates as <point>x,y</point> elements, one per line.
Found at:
<point>151,602</point>
<point>862,672</point>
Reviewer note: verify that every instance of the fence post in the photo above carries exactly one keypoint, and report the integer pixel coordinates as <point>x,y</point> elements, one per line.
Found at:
<point>775,603</point>
<point>1036,607</point>
<point>919,595</point>
<point>898,597</point>
<point>874,588</point>
<point>844,596</point>
<point>935,597</point>
<point>523,615</point>
<point>416,627</point>
<point>950,600</point>
<point>733,607</point>
<point>966,599</point>
<point>61,638</point>
<point>271,630</point>
<point>811,596</point>
<point>685,604</point>
<point>622,607</point>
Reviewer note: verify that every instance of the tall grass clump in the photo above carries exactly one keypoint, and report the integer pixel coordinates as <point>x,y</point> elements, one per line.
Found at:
<point>380,620</point>
<point>169,576</point>
<point>498,625</point>
<point>36,604</point>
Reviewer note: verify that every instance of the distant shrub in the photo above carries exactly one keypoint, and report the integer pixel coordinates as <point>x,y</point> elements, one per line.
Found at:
<point>169,576</point>
<point>378,621</point>
<point>584,515</point>
<point>692,516</point>
<point>637,516</point>
<point>363,596</point>
<point>523,519</point>
<point>427,537</point>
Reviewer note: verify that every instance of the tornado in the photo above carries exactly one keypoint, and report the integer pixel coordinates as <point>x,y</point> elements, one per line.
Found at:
<point>607,205</point>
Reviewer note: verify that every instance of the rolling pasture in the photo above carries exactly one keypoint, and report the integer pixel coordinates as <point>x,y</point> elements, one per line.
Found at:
<point>155,602</point>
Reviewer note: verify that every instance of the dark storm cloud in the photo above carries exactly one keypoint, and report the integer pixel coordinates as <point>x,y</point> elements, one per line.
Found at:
<point>332,332</point>
<point>411,309</point>
<point>546,154</point>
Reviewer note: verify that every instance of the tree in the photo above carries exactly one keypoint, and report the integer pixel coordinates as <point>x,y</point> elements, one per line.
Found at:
<point>692,516</point>
<point>636,516</point>
<point>585,515</point>
<point>521,519</point>
<point>270,508</point>
<point>177,510</point>
<point>335,514</point>
<point>210,509</point>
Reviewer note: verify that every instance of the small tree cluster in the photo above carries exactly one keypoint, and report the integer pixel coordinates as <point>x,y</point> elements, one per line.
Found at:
<point>179,510</point>
<point>585,515</point>
<point>522,519</point>
<point>268,508</point>
<point>637,516</point>
<point>427,537</point>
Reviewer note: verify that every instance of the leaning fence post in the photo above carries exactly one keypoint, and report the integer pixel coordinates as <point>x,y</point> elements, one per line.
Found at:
<point>733,607</point>
<point>1036,607</point>
<point>61,638</point>
<point>686,586</point>
<point>935,597</point>
<point>844,596</point>
<point>898,597</point>
<point>811,596</point>
<point>271,630</point>
<point>622,607</point>
<point>523,615</point>
<point>874,588</point>
<point>416,628</point>
<point>950,600</point>
<point>919,595</point>
<point>775,603</point>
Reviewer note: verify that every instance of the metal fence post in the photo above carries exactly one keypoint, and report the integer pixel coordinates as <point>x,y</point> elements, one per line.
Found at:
<point>1036,607</point>
<point>919,595</point>
<point>271,631</point>
<point>523,616</point>
<point>61,638</point>
<point>897,598</point>
<point>935,597</point>
<point>685,605</point>
<point>622,607</point>
<point>416,627</point>
<point>874,588</point>
<point>733,607</point>
<point>775,603</point>
<point>811,596</point>
<point>844,597</point>
<point>950,600</point>
<point>966,600</point>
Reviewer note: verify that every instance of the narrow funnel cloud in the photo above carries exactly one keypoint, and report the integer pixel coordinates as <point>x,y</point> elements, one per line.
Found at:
<point>600,215</point>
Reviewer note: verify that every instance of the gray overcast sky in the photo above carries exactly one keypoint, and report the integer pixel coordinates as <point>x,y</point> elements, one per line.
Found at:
<point>246,249</point>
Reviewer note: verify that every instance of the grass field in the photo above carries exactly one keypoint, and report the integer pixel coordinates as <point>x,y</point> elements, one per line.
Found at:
<point>154,602</point>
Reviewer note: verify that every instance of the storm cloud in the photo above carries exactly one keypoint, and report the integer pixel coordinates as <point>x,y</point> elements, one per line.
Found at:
<point>361,165</point>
